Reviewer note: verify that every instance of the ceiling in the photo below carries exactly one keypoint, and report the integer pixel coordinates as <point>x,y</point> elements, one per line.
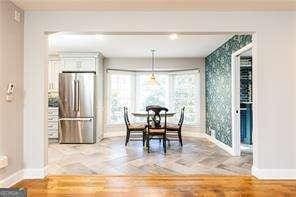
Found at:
<point>154,5</point>
<point>137,45</point>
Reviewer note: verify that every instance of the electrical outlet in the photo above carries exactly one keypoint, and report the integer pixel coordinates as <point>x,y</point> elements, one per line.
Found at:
<point>3,162</point>
<point>17,16</point>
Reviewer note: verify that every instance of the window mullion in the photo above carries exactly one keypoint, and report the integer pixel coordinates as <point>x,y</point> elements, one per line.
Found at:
<point>171,91</point>
<point>134,93</point>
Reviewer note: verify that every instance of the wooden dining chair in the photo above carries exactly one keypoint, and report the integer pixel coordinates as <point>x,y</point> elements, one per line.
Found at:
<point>133,131</point>
<point>174,131</point>
<point>156,129</point>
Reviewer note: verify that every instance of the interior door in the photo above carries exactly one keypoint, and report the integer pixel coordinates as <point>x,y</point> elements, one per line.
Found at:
<point>67,100</point>
<point>85,89</point>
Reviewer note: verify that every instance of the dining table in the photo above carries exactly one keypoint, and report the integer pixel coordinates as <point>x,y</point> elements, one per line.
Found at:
<point>144,114</point>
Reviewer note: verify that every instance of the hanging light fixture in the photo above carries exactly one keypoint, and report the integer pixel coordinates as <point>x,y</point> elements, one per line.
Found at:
<point>152,80</point>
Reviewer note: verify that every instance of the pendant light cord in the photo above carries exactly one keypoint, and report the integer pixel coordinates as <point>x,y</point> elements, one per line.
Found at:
<point>153,60</point>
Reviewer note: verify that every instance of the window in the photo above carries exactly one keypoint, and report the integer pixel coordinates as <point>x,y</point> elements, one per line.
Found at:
<point>176,90</point>
<point>151,95</point>
<point>120,95</point>
<point>186,93</point>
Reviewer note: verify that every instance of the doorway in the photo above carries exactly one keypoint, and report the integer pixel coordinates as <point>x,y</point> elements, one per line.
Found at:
<point>97,159</point>
<point>242,100</point>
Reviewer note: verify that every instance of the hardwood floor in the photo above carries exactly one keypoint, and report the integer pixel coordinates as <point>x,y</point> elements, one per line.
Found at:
<point>156,186</point>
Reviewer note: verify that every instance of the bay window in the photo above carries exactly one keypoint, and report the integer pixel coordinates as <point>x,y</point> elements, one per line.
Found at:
<point>120,94</point>
<point>175,90</point>
<point>151,95</point>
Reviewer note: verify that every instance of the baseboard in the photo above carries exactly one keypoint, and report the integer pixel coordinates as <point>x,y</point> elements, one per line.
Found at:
<point>23,174</point>
<point>114,134</point>
<point>220,144</point>
<point>38,173</point>
<point>274,173</point>
<point>193,134</point>
<point>12,179</point>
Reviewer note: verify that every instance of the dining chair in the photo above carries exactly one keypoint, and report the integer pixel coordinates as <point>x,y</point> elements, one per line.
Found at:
<point>174,131</point>
<point>133,130</point>
<point>156,129</point>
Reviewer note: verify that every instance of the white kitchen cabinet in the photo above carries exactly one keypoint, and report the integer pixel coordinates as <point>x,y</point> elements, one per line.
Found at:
<point>54,68</point>
<point>68,62</point>
<point>53,122</point>
<point>79,64</point>
<point>79,61</point>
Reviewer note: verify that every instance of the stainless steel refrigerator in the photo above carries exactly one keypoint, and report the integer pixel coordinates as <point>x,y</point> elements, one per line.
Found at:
<point>77,122</point>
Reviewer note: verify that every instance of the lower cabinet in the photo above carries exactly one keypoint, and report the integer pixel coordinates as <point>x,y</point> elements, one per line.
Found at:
<point>53,122</point>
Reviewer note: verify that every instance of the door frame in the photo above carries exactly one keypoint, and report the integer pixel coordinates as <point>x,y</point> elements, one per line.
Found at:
<point>235,89</point>
<point>220,144</point>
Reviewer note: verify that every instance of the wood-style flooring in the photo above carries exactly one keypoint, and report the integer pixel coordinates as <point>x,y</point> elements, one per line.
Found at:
<point>156,186</point>
<point>111,157</point>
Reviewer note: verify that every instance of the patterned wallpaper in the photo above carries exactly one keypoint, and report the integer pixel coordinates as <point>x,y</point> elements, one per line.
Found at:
<point>218,87</point>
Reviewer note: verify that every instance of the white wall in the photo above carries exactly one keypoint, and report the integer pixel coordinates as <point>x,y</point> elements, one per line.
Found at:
<point>11,71</point>
<point>275,81</point>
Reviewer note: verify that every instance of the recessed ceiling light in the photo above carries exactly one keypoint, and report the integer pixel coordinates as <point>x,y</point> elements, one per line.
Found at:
<point>100,36</point>
<point>173,36</point>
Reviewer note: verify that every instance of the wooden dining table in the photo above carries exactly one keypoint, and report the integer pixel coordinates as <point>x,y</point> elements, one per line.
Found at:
<point>144,114</point>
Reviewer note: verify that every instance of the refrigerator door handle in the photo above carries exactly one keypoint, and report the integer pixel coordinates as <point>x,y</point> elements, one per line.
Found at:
<point>75,95</point>
<point>79,119</point>
<point>78,95</point>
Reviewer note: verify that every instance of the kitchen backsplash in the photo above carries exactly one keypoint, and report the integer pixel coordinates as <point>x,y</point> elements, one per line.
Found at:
<point>53,99</point>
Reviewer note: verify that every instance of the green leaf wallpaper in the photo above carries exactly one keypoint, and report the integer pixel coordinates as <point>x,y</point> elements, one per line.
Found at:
<point>218,87</point>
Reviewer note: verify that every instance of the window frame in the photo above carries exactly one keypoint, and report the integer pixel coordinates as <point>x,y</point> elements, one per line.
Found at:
<point>108,91</point>
<point>134,94</point>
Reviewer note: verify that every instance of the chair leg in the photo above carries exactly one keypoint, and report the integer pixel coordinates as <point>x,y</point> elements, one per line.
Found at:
<point>169,141</point>
<point>164,144</point>
<point>180,138</point>
<point>127,137</point>
<point>144,138</point>
<point>148,145</point>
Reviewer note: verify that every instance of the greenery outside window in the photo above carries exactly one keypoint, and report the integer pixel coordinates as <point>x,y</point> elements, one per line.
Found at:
<point>176,89</point>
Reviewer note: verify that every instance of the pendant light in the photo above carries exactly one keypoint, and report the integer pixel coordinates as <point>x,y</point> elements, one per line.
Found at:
<point>152,80</point>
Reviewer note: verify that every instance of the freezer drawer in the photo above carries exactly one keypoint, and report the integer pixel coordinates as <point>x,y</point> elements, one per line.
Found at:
<point>77,130</point>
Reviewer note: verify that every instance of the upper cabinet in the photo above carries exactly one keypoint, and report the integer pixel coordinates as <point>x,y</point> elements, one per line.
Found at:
<point>78,61</point>
<point>54,68</point>
<point>79,64</point>
<point>69,62</point>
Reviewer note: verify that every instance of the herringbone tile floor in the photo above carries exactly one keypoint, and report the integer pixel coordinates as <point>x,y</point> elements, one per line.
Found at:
<point>111,157</point>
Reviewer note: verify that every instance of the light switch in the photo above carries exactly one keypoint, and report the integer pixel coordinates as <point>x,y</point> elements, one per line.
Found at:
<point>17,16</point>
<point>9,92</point>
<point>3,162</point>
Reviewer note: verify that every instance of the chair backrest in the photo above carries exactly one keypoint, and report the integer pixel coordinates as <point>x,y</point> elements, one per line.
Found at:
<point>180,123</point>
<point>125,114</point>
<point>154,118</point>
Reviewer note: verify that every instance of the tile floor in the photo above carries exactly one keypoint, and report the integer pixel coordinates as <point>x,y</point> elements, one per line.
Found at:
<point>111,157</point>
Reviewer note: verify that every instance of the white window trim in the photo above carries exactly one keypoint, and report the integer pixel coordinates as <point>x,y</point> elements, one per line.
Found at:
<point>135,95</point>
